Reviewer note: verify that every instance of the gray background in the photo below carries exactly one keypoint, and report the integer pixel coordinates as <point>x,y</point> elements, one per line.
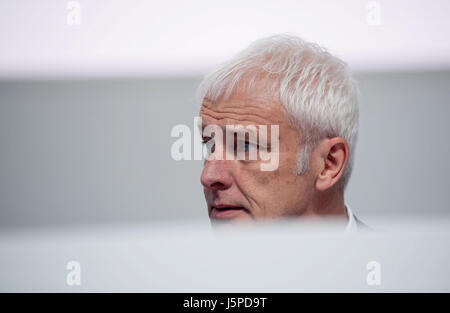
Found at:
<point>99,151</point>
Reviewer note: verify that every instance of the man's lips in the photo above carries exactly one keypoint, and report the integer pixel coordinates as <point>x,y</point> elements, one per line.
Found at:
<point>224,211</point>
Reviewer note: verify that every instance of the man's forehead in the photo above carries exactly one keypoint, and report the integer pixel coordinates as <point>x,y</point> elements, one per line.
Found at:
<point>245,110</point>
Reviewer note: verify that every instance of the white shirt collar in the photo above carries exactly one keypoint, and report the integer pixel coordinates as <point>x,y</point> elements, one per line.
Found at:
<point>352,226</point>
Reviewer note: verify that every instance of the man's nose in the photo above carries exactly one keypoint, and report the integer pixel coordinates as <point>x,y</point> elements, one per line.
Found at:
<point>216,175</point>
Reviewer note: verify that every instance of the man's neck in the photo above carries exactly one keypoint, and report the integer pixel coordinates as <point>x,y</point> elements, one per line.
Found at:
<point>329,204</point>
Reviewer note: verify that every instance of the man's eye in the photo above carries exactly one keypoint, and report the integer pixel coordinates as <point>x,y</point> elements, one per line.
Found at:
<point>248,146</point>
<point>210,145</point>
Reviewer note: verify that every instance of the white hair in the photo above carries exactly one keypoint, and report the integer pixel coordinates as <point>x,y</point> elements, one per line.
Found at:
<point>316,89</point>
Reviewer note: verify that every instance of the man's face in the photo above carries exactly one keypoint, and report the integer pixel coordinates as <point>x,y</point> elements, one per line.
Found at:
<point>239,189</point>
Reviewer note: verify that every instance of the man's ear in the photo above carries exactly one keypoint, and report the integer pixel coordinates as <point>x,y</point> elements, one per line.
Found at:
<point>333,156</point>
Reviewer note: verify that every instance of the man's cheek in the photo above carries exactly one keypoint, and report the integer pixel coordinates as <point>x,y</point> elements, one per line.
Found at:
<point>288,166</point>
<point>207,193</point>
<point>254,177</point>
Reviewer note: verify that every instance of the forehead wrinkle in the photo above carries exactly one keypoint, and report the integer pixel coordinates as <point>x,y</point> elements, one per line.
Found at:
<point>242,114</point>
<point>227,120</point>
<point>258,103</point>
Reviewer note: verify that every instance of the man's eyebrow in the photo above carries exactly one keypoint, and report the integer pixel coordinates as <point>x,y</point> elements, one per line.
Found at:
<point>252,130</point>
<point>200,122</point>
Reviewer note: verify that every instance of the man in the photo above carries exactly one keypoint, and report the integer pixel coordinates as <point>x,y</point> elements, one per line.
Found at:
<point>311,98</point>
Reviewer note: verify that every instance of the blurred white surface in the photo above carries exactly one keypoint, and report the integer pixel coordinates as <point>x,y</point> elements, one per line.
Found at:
<point>189,257</point>
<point>165,38</point>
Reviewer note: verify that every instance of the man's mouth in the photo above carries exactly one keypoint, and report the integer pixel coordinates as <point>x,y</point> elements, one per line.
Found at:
<point>223,212</point>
